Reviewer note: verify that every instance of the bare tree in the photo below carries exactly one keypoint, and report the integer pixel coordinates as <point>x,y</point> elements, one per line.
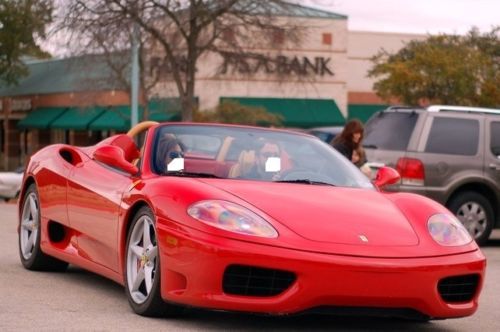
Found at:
<point>96,42</point>
<point>181,31</point>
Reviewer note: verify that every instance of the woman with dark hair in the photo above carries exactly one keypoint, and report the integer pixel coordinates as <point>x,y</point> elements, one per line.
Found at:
<point>169,148</point>
<point>349,139</point>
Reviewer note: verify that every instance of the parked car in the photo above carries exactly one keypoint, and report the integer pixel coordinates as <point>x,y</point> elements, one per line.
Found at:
<point>10,183</point>
<point>448,153</point>
<point>326,134</point>
<point>194,226</point>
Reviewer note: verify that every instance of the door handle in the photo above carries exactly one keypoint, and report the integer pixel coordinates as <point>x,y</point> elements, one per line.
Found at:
<point>494,166</point>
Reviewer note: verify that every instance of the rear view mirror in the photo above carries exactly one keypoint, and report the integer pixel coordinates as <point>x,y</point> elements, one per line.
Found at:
<point>113,156</point>
<point>386,176</point>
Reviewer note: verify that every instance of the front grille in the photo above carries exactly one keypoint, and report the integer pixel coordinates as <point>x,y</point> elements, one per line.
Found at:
<point>255,281</point>
<point>459,288</point>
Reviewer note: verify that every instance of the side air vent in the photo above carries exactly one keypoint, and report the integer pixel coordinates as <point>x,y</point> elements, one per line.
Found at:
<point>459,288</point>
<point>255,281</point>
<point>70,156</point>
<point>57,233</point>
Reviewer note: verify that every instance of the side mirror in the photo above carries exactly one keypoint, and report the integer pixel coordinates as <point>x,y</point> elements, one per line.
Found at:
<point>386,176</point>
<point>113,156</point>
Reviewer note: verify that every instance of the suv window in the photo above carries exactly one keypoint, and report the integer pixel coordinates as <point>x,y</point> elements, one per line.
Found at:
<point>453,136</point>
<point>495,138</point>
<point>381,128</point>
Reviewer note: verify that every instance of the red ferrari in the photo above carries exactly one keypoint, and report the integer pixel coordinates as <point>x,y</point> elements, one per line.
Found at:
<point>244,219</point>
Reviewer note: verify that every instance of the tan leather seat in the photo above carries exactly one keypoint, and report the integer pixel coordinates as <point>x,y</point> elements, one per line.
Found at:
<point>246,161</point>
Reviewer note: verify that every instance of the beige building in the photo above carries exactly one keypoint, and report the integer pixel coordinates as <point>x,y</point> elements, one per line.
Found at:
<point>306,81</point>
<point>320,82</point>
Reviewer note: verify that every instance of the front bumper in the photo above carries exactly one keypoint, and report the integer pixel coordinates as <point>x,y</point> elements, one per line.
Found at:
<point>192,269</point>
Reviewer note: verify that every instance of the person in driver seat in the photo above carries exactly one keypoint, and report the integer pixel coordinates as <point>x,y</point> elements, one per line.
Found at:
<point>169,148</point>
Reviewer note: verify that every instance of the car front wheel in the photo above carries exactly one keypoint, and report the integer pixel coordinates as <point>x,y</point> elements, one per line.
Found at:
<point>142,268</point>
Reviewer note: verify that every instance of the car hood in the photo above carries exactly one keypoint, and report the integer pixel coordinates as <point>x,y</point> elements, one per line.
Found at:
<point>328,214</point>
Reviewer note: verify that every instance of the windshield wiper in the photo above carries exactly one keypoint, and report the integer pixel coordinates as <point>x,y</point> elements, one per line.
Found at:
<point>192,174</point>
<point>306,181</point>
<point>370,146</point>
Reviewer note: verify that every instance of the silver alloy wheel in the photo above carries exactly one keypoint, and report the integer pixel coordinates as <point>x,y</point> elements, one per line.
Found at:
<point>29,225</point>
<point>142,254</point>
<point>473,217</point>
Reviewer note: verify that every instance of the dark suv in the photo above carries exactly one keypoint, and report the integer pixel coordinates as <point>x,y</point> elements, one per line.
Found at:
<point>448,153</point>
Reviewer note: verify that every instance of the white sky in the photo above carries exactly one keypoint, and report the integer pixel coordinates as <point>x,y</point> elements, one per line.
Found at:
<point>409,16</point>
<point>414,16</point>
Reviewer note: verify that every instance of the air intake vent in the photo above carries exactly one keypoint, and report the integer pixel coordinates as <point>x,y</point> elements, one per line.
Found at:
<point>458,289</point>
<point>255,281</point>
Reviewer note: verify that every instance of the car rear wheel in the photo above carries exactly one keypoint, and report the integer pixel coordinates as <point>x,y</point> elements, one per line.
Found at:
<point>30,252</point>
<point>476,214</point>
<point>142,268</point>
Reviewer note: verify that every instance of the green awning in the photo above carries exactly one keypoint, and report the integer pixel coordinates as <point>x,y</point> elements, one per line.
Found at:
<point>41,118</point>
<point>301,113</point>
<point>77,118</point>
<point>363,112</point>
<point>162,110</point>
<point>114,118</point>
<point>118,117</point>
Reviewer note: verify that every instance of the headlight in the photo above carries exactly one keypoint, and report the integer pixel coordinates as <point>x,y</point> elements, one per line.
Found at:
<point>447,230</point>
<point>231,217</point>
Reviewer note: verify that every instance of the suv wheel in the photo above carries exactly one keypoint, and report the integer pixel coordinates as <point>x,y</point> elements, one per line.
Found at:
<point>475,213</point>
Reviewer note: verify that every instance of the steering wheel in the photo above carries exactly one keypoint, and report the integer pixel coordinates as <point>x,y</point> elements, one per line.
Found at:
<point>140,127</point>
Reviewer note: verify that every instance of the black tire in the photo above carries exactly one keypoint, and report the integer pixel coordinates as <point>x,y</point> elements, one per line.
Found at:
<point>152,305</point>
<point>33,258</point>
<point>479,205</point>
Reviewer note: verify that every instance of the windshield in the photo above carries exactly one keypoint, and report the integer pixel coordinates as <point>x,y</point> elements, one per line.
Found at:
<point>251,154</point>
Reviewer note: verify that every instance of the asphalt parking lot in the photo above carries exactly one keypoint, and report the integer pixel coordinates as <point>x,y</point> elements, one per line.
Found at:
<point>80,301</point>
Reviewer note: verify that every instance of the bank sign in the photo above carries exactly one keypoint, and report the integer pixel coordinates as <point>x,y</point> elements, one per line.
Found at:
<point>280,65</point>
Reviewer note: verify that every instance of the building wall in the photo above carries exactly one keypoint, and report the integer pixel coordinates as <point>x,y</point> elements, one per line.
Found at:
<point>82,99</point>
<point>348,58</point>
<point>362,46</point>
<point>242,79</point>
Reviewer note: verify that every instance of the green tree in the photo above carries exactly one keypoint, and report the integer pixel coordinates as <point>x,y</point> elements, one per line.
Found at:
<point>233,112</point>
<point>443,69</point>
<point>22,24</point>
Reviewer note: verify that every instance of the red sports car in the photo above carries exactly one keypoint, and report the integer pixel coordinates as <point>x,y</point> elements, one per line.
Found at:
<point>244,219</point>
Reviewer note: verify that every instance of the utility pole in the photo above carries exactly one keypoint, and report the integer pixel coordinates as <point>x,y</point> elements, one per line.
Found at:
<point>134,93</point>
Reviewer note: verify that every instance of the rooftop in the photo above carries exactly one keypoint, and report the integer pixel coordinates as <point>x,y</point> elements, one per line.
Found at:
<point>83,73</point>
<point>296,10</point>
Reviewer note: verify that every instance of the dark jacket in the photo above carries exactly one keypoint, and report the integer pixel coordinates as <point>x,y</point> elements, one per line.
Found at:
<point>345,150</point>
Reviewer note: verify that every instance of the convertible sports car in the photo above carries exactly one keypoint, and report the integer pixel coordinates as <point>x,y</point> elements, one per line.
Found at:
<point>244,219</point>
